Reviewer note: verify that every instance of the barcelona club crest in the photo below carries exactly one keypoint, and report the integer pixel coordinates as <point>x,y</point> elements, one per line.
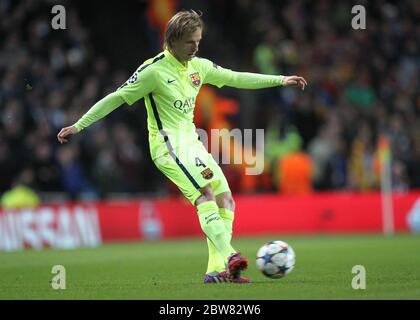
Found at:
<point>207,174</point>
<point>195,78</point>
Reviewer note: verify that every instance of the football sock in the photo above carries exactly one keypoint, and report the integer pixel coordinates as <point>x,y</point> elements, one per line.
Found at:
<point>215,230</point>
<point>216,262</point>
<point>227,217</point>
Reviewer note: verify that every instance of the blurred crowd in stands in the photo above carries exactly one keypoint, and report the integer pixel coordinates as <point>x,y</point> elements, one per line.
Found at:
<point>361,107</point>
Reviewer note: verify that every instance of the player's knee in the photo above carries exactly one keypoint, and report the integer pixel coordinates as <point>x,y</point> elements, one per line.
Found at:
<point>230,203</point>
<point>206,195</point>
<point>225,200</point>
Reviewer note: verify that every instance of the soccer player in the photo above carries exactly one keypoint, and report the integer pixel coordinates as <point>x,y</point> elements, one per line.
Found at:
<point>169,83</point>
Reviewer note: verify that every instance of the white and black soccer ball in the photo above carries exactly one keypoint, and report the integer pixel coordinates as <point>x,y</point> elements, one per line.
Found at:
<point>276,259</point>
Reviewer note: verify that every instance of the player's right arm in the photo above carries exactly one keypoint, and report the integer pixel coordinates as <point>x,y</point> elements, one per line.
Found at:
<point>140,84</point>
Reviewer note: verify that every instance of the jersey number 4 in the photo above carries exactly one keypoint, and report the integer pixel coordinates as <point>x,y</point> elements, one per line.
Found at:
<point>199,163</point>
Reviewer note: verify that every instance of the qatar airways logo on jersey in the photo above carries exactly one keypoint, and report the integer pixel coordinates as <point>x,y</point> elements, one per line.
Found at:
<point>186,106</point>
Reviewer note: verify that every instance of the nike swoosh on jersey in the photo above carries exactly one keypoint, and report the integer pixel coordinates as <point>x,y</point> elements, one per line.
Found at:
<point>170,81</point>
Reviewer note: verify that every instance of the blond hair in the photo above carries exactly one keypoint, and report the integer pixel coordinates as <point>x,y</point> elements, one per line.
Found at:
<point>184,22</point>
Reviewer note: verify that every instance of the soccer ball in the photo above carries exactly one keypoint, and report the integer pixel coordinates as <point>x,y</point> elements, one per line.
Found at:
<point>276,259</point>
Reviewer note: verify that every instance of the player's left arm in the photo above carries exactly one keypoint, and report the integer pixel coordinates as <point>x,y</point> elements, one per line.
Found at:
<point>248,80</point>
<point>218,76</point>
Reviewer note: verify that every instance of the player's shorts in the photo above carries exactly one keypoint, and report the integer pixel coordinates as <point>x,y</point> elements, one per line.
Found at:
<point>192,169</point>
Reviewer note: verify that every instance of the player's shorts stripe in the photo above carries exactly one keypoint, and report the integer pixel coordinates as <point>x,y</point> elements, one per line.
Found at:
<point>168,143</point>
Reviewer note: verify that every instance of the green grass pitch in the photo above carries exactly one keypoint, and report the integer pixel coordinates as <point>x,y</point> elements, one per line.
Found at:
<point>174,270</point>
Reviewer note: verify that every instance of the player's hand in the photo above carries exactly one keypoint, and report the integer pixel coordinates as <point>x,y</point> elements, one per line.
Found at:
<point>61,136</point>
<point>295,80</point>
